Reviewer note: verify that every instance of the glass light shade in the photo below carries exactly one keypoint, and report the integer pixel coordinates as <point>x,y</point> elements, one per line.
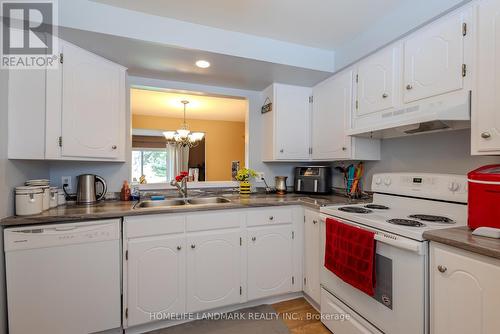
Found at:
<point>183,133</point>
<point>169,135</point>
<point>198,135</point>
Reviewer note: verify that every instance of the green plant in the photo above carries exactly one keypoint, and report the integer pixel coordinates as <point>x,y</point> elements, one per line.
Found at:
<point>245,174</point>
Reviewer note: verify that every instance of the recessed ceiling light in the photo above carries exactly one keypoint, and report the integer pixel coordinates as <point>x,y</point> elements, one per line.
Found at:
<point>202,64</point>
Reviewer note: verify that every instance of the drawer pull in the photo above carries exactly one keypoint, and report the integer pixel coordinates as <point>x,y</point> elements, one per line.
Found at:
<point>271,218</point>
<point>193,246</point>
<point>179,247</point>
<point>385,95</point>
<point>485,135</point>
<point>254,238</point>
<point>442,269</point>
<point>408,87</point>
<point>315,222</point>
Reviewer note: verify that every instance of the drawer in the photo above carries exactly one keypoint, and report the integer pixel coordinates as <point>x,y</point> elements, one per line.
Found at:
<point>149,225</point>
<point>266,216</point>
<point>332,311</point>
<point>214,220</point>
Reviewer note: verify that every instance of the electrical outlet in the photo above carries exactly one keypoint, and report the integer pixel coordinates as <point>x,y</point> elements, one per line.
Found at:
<point>66,180</point>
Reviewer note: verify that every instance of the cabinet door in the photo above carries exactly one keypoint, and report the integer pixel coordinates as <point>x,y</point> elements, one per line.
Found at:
<point>93,109</point>
<point>156,277</point>
<point>331,117</point>
<point>269,261</point>
<point>433,59</point>
<point>464,292</point>
<point>312,257</point>
<point>485,127</point>
<point>378,83</point>
<point>213,270</point>
<point>293,110</point>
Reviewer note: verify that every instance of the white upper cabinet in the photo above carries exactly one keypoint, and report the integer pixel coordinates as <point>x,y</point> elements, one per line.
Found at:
<point>331,116</point>
<point>76,112</point>
<point>485,127</point>
<point>433,59</point>
<point>213,269</point>
<point>286,130</point>
<point>378,81</point>
<point>93,117</point>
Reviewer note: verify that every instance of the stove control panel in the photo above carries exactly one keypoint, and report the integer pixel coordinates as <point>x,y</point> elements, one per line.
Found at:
<point>446,187</point>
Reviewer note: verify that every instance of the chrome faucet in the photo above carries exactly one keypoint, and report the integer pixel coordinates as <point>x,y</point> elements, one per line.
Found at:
<point>182,187</point>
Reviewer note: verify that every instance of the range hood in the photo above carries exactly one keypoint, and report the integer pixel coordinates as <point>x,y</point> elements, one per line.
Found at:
<point>441,113</point>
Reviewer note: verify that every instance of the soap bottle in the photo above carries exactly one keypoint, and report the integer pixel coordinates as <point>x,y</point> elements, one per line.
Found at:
<point>125,192</point>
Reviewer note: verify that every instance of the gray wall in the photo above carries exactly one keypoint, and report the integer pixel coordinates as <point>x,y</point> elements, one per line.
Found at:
<point>442,152</point>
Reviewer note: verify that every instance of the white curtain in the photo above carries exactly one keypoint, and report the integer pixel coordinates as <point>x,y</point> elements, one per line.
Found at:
<point>177,160</point>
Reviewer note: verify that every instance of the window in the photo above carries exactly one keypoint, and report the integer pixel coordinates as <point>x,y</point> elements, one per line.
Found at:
<point>152,163</point>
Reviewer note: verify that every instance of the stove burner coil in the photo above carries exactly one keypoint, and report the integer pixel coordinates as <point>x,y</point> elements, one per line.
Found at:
<point>406,222</point>
<point>432,218</point>
<point>354,209</point>
<point>377,207</point>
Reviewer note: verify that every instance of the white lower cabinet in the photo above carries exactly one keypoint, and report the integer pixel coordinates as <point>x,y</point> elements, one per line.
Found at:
<point>213,269</point>
<point>176,263</point>
<point>156,277</point>
<point>312,255</point>
<point>269,261</point>
<point>464,292</point>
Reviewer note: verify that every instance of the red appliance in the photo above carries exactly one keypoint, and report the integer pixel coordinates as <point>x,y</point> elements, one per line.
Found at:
<point>484,197</point>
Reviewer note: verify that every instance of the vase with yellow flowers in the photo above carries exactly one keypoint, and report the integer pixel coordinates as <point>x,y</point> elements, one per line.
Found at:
<point>243,176</point>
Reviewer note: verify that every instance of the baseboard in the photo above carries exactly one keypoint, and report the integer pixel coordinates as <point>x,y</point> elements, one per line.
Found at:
<point>169,323</point>
<point>311,301</point>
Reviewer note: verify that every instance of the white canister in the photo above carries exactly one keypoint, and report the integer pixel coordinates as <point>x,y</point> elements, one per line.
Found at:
<point>29,201</point>
<point>61,197</point>
<point>46,197</point>
<point>53,197</point>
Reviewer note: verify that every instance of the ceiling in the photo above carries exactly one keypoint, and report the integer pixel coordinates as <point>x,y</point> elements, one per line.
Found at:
<point>168,104</point>
<point>160,61</point>
<point>325,24</point>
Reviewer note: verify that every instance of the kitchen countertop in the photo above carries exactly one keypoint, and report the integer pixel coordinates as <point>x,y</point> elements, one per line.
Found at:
<point>461,237</point>
<point>118,209</point>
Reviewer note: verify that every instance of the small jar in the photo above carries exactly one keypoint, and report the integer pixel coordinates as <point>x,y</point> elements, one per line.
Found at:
<point>61,197</point>
<point>53,197</point>
<point>29,201</point>
<point>46,197</point>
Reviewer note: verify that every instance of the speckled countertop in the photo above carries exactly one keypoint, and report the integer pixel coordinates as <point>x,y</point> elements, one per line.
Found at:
<point>117,209</point>
<point>461,237</point>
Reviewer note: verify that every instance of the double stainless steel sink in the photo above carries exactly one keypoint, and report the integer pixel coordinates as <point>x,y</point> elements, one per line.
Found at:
<point>180,202</point>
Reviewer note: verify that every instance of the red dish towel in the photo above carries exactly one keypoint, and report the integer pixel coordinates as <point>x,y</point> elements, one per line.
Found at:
<point>350,254</point>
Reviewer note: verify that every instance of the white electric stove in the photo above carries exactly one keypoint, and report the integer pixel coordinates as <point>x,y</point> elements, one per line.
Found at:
<point>404,206</point>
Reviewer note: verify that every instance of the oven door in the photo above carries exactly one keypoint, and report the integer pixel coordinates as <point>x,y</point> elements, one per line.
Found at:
<point>400,301</point>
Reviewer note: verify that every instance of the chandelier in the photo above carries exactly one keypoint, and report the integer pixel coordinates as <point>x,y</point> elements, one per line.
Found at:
<point>183,136</point>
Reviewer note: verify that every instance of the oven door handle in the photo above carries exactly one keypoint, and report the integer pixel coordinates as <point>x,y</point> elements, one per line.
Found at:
<point>406,244</point>
<point>388,238</point>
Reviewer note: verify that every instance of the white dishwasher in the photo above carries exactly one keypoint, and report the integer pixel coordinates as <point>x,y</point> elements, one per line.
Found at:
<point>63,278</point>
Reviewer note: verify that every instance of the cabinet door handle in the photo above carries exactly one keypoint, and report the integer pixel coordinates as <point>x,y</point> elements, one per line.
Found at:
<point>179,247</point>
<point>114,147</point>
<point>442,269</point>
<point>271,218</point>
<point>315,222</point>
<point>485,135</point>
<point>282,150</point>
<point>344,148</point>
<point>193,246</point>
<point>385,95</point>
<point>408,87</point>
<point>254,238</point>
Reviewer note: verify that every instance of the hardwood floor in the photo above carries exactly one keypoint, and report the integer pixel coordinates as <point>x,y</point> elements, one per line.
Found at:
<point>300,317</point>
